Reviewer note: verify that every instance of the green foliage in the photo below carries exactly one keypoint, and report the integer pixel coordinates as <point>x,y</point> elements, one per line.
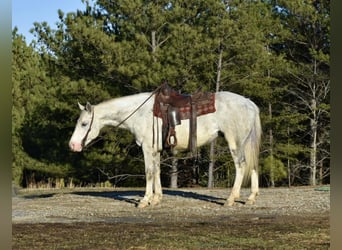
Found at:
<point>275,167</point>
<point>273,52</point>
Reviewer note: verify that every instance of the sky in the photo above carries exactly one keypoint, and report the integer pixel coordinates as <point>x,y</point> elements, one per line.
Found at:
<point>26,12</point>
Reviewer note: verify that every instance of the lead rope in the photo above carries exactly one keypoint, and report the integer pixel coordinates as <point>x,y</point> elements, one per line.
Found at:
<point>120,123</point>
<point>157,89</point>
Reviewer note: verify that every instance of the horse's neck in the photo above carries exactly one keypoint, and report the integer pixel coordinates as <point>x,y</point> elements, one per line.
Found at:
<point>117,110</point>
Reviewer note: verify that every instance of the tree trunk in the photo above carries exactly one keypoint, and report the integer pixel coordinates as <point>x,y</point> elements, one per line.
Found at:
<point>271,147</point>
<point>288,158</point>
<point>313,151</point>
<point>153,45</point>
<point>211,165</point>
<point>174,173</point>
<point>213,143</point>
<point>313,125</point>
<point>320,180</point>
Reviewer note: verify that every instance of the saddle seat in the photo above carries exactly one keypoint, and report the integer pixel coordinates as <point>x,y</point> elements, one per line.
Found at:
<point>172,97</point>
<point>172,107</point>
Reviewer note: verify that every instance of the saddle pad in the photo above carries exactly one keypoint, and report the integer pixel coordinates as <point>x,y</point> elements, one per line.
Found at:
<point>205,104</point>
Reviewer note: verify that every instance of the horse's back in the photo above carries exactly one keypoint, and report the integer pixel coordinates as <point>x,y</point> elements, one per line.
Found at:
<point>234,101</point>
<point>236,114</point>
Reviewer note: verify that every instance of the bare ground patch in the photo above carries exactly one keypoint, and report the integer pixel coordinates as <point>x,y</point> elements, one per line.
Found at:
<point>295,218</point>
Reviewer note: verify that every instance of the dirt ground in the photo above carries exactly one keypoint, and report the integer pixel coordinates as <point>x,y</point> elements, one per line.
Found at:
<point>193,218</point>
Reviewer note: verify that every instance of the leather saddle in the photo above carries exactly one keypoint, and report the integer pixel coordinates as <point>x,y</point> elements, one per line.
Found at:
<point>173,107</point>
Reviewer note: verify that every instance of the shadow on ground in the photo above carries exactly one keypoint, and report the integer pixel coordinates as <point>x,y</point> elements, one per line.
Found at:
<point>133,196</point>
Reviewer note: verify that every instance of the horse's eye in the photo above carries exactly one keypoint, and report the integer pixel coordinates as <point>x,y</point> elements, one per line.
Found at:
<point>84,124</point>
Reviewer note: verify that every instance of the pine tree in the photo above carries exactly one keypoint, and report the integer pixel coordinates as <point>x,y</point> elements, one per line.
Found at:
<point>273,52</point>
<point>308,50</point>
<point>250,65</point>
<point>30,92</point>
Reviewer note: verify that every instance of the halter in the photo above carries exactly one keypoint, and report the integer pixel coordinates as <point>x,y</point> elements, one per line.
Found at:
<point>120,123</point>
<point>90,125</point>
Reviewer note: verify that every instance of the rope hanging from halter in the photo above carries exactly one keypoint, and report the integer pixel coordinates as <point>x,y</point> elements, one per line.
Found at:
<point>153,135</point>
<point>120,123</point>
<point>157,89</point>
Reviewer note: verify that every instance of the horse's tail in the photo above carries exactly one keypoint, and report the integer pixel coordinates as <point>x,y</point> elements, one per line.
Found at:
<point>252,148</point>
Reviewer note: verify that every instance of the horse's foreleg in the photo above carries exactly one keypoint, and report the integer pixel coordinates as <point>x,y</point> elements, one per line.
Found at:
<point>153,193</point>
<point>149,173</point>
<point>254,188</point>
<point>149,188</point>
<point>158,194</point>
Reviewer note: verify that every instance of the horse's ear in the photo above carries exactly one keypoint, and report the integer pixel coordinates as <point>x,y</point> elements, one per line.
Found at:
<point>88,107</point>
<point>81,106</point>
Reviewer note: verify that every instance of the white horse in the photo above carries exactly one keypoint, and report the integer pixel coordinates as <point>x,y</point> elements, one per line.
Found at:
<point>236,116</point>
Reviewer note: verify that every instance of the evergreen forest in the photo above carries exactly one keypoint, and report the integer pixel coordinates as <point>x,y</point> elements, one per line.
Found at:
<point>275,52</point>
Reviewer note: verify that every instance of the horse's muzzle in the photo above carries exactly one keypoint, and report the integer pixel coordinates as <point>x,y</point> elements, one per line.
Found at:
<point>75,147</point>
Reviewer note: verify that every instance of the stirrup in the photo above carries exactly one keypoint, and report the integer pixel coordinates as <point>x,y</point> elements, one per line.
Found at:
<point>171,139</point>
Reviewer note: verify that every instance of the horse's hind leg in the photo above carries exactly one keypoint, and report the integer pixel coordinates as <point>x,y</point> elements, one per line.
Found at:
<point>240,167</point>
<point>242,157</point>
<point>254,188</point>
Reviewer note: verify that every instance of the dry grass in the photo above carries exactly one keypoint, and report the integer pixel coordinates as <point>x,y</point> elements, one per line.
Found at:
<point>277,233</point>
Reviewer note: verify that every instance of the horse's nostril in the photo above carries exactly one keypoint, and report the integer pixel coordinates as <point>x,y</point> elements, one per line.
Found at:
<point>72,145</point>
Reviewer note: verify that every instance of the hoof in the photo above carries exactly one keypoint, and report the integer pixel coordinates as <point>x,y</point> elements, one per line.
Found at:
<point>156,200</point>
<point>250,202</point>
<point>229,203</point>
<point>143,204</point>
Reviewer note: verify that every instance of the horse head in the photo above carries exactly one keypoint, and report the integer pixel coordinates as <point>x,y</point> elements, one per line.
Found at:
<point>86,129</point>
